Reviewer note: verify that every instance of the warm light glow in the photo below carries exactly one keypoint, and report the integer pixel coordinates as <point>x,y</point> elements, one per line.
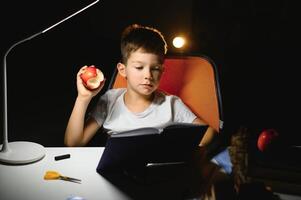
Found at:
<point>178,42</point>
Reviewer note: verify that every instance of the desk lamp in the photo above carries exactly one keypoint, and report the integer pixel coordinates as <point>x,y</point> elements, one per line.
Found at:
<point>21,152</point>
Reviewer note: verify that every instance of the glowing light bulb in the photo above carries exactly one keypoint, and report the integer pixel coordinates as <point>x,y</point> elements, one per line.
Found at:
<point>178,42</point>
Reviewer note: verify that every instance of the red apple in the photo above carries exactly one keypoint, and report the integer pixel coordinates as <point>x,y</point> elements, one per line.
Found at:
<point>92,77</point>
<point>267,140</point>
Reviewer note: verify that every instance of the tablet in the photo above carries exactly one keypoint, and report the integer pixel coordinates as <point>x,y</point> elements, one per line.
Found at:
<point>149,146</point>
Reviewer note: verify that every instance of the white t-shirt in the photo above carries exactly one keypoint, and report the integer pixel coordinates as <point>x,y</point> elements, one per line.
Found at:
<point>112,113</point>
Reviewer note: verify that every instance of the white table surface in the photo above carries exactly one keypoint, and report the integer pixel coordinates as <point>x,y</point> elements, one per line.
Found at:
<point>25,182</point>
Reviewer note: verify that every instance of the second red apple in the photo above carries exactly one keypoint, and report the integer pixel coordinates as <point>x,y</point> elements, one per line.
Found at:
<point>92,77</point>
<point>267,140</point>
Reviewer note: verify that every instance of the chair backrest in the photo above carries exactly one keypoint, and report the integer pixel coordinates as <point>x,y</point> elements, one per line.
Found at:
<point>195,80</point>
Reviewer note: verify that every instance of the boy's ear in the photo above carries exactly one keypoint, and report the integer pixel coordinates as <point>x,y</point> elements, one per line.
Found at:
<point>121,69</point>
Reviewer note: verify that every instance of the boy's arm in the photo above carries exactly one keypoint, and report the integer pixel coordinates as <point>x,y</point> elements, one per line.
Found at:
<point>208,136</point>
<point>79,132</point>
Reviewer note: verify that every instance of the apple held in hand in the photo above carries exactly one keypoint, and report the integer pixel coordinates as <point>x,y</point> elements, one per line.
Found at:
<point>267,140</point>
<point>92,77</point>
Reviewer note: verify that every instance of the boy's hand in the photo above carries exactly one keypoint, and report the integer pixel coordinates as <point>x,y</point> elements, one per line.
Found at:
<point>82,90</point>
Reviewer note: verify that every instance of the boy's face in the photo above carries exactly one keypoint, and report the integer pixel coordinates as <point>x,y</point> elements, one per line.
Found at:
<point>143,72</point>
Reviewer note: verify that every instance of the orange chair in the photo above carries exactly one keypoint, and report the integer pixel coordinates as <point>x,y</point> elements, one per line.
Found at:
<point>195,80</point>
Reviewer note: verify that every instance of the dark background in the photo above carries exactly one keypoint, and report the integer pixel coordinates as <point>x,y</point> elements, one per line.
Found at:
<point>254,43</point>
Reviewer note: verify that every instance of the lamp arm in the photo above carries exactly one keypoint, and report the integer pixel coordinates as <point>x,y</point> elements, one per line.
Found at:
<point>5,125</point>
<point>5,147</point>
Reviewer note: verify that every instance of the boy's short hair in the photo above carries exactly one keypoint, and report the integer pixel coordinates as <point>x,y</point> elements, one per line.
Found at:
<point>137,36</point>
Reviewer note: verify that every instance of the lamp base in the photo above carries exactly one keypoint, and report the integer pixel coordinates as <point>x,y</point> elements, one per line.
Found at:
<point>22,153</point>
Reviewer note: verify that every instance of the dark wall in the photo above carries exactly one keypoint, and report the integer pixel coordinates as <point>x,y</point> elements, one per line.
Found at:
<point>254,44</point>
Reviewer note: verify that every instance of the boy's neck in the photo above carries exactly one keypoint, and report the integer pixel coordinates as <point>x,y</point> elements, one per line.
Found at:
<point>137,103</point>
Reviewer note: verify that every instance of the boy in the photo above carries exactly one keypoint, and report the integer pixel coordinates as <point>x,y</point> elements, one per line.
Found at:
<point>140,104</point>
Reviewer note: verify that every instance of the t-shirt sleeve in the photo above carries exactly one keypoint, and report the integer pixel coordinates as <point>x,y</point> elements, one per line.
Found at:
<point>99,112</point>
<point>181,112</point>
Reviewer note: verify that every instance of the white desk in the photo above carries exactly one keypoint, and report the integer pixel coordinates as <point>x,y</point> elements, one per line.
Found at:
<point>25,182</point>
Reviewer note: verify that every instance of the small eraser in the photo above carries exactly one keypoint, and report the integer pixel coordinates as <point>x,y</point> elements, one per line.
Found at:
<point>61,157</point>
